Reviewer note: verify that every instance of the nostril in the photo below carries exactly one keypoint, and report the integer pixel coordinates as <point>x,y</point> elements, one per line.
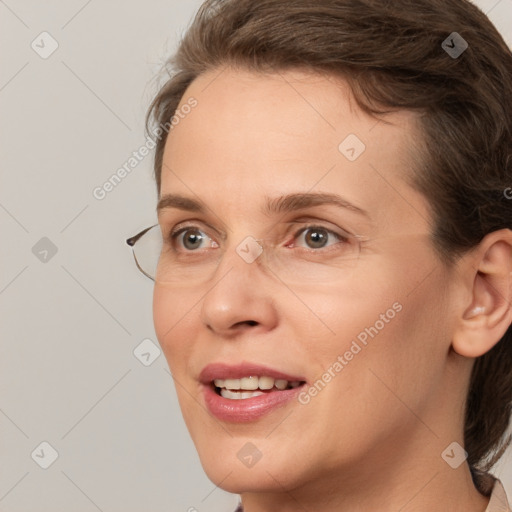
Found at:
<point>247,322</point>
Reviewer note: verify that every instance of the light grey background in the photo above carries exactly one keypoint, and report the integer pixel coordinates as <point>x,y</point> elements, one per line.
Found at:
<point>69,325</point>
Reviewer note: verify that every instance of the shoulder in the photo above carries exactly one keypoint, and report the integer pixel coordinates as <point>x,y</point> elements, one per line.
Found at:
<point>490,486</point>
<point>499,501</point>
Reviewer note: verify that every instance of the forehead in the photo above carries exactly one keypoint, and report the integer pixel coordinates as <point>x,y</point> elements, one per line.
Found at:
<point>261,135</point>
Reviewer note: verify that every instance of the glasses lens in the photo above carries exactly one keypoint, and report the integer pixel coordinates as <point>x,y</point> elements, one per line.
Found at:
<point>147,251</point>
<point>178,265</point>
<point>310,266</point>
<point>174,262</point>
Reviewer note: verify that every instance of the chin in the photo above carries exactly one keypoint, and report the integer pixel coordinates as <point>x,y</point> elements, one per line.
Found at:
<point>237,466</point>
<point>236,479</point>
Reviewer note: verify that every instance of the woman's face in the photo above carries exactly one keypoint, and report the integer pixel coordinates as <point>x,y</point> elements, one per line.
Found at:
<point>362,320</point>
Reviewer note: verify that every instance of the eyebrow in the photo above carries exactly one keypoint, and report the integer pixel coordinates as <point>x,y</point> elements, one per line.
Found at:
<point>277,205</point>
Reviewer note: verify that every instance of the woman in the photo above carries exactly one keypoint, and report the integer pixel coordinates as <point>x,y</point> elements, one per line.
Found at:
<point>333,294</point>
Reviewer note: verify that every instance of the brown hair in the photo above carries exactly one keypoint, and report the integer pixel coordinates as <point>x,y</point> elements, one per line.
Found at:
<point>391,54</point>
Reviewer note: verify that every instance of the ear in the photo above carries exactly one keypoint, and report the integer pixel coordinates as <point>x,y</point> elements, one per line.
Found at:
<point>488,314</point>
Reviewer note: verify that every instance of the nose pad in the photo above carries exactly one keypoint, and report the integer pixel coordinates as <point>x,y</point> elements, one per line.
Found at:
<point>250,249</point>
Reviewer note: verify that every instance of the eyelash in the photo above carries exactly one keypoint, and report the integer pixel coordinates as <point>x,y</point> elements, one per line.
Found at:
<point>342,238</point>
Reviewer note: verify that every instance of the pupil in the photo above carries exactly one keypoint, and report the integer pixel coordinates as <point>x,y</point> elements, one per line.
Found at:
<point>317,237</point>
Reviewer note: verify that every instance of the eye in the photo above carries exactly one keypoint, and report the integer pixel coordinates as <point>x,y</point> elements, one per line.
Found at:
<point>192,238</point>
<point>317,236</point>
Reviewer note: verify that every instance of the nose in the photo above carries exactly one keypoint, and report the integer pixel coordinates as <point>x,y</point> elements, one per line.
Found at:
<point>240,296</point>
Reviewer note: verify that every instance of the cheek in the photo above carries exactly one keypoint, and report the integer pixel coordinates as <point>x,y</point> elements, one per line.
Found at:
<point>172,314</point>
<point>328,319</point>
<point>393,348</point>
<point>162,309</point>
<point>365,397</point>
<point>381,334</point>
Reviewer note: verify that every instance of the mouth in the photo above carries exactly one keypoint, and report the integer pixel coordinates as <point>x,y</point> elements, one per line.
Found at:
<point>251,386</point>
<point>246,392</point>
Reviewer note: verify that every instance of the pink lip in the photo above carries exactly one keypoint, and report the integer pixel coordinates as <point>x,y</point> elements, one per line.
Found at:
<point>225,371</point>
<point>249,409</point>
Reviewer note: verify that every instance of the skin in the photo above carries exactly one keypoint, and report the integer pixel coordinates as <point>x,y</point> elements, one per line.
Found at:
<point>372,439</point>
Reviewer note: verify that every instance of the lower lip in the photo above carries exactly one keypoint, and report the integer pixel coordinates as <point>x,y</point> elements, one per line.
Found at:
<point>247,409</point>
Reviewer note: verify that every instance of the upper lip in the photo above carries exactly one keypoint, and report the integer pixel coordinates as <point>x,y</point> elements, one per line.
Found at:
<point>237,371</point>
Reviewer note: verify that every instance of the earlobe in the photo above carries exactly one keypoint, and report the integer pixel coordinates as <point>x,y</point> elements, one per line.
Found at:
<point>486,319</point>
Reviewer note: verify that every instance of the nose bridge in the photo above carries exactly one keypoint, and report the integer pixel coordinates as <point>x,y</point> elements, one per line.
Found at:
<point>242,254</point>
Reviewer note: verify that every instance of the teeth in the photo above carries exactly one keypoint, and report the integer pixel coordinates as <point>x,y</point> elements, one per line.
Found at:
<point>265,382</point>
<point>252,383</point>
<point>236,395</point>
<point>249,383</point>
<point>281,384</point>
<point>233,384</point>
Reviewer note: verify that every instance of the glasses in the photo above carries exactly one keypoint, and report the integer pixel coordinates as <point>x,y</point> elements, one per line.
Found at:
<point>168,260</point>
